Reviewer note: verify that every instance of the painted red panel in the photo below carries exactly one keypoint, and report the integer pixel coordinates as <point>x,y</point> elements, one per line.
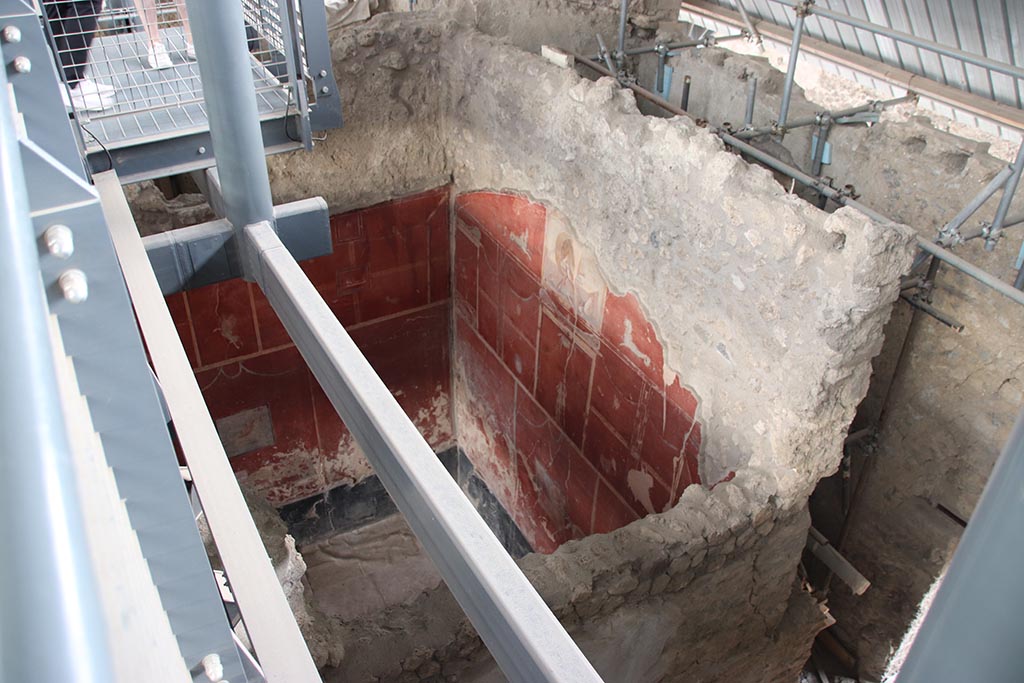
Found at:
<point>465,275</point>
<point>394,291</point>
<point>182,323</point>
<point>627,330</point>
<point>564,369</point>
<point>487,322</point>
<point>616,392</point>
<point>272,332</point>
<point>390,247</point>
<point>519,354</point>
<point>410,353</point>
<point>558,482</point>
<point>610,511</point>
<point>346,226</point>
<point>223,321</point>
<point>608,454</point>
<point>513,220</point>
<point>519,298</point>
<point>682,397</point>
<point>279,381</point>
<point>489,268</point>
<point>488,381</point>
<point>440,279</point>
<point>665,433</point>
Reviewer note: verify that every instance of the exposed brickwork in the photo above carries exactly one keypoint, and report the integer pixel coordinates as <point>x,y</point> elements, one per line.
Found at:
<point>564,405</point>
<point>388,283</point>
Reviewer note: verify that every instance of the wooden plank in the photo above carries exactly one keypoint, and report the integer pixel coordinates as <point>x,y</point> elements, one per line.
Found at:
<point>273,632</point>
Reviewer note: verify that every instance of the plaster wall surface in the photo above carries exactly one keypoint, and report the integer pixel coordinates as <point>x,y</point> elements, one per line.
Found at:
<point>945,414</point>
<point>770,309</point>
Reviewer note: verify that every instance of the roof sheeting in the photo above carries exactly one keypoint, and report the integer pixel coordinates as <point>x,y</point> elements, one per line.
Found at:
<point>990,28</point>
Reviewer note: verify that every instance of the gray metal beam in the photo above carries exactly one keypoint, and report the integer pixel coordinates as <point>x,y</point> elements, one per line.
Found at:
<point>972,629</point>
<point>51,625</point>
<point>524,636</point>
<point>206,253</point>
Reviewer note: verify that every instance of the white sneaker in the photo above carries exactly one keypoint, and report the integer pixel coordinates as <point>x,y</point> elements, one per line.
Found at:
<point>86,95</point>
<point>190,51</point>
<point>158,57</point>
<point>96,86</point>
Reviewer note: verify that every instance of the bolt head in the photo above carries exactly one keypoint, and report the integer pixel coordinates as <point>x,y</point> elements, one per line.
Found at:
<point>21,64</point>
<point>10,34</point>
<point>325,90</point>
<point>74,286</point>
<point>60,242</point>
<point>201,150</point>
<point>323,73</point>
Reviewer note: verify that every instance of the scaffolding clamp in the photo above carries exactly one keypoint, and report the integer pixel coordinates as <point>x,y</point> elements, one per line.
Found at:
<point>804,8</point>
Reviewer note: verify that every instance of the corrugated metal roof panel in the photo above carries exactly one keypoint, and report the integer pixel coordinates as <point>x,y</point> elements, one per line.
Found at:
<point>990,28</point>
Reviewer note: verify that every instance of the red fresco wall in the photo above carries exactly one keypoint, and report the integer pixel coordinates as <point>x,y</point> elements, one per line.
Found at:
<point>388,281</point>
<point>562,399</point>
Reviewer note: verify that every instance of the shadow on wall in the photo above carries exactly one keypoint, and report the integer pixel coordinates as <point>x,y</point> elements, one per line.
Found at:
<point>562,398</point>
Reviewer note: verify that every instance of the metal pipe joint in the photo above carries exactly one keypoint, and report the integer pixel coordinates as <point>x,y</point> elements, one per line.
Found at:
<point>803,8</point>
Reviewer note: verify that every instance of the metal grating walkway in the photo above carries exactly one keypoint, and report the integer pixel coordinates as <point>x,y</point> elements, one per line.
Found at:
<point>155,104</point>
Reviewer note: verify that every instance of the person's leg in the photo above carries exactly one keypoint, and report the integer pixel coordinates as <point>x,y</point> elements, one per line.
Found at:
<point>156,52</point>
<point>150,20</point>
<point>186,28</point>
<point>77,26</point>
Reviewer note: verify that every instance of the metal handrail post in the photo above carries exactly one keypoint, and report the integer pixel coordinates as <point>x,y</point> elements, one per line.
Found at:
<point>51,625</point>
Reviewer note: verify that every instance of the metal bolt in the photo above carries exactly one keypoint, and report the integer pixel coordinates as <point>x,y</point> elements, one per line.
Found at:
<point>74,286</point>
<point>325,90</point>
<point>11,34</point>
<point>213,668</point>
<point>59,241</point>
<point>21,64</point>
<point>323,73</point>
<point>201,150</point>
